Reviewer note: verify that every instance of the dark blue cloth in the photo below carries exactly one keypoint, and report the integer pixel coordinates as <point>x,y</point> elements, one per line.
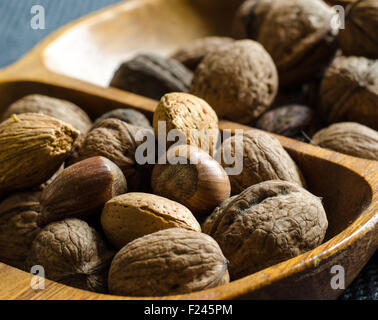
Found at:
<point>17,37</point>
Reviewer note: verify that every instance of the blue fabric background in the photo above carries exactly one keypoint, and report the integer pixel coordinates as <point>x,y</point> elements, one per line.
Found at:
<point>17,38</point>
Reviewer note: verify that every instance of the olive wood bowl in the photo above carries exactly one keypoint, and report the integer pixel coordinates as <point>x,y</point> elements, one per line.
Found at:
<point>76,63</point>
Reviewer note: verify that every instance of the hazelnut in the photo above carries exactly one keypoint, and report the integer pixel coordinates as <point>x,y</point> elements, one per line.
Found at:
<point>200,183</point>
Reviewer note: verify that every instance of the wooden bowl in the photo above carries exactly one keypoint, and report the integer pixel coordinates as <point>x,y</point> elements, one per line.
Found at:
<point>76,64</point>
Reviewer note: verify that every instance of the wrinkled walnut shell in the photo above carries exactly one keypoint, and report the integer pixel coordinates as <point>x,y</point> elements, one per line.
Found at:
<point>133,215</point>
<point>349,91</point>
<point>265,224</point>
<point>263,159</point>
<point>18,227</point>
<point>239,81</point>
<point>73,253</point>
<point>116,141</point>
<point>59,109</point>
<point>359,37</point>
<point>168,262</point>
<point>152,76</point>
<point>349,138</point>
<point>193,53</point>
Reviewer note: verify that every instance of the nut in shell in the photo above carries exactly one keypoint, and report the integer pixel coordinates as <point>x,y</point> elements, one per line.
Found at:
<point>59,109</point>
<point>168,262</point>
<point>263,159</point>
<point>349,91</point>
<point>266,224</point>
<point>32,148</point>
<point>133,215</point>
<point>191,117</point>
<point>152,76</point>
<point>82,189</point>
<point>239,81</point>
<point>349,138</point>
<point>72,253</point>
<point>19,215</point>
<point>197,181</point>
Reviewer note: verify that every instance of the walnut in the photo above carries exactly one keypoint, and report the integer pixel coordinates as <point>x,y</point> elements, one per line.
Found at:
<point>289,121</point>
<point>191,116</point>
<point>263,159</point>
<point>193,53</point>
<point>349,91</point>
<point>133,215</point>
<point>239,81</point>
<point>60,109</point>
<point>18,226</point>
<point>297,34</point>
<point>359,37</point>
<point>129,116</point>
<point>349,138</point>
<point>265,224</point>
<point>72,253</point>
<point>168,262</point>
<point>32,148</point>
<point>116,140</point>
<point>152,76</point>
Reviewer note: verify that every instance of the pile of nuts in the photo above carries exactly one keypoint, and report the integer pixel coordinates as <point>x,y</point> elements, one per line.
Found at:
<point>91,204</point>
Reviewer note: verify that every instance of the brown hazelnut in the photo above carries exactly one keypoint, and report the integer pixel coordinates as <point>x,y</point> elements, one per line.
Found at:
<point>239,81</point>
<point>359,36</point>
<point>265,224</point>
<point>200,183</point>
<point>349,91</point>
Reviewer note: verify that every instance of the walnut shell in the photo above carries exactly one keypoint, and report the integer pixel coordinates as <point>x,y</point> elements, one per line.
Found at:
<point>134,215</point>
<point>168,262</point>
<point>82,190</point>
<point>72,253</point>
<point>200,184</point>
<point>193,53</point>
<point>19,216</point>
<point>239,81</point>
<point>263,159</point>
<point>289,121</point>
<point>191,116</point>
<point>349,138</point>
<point>349,91</point>
<point>129,116</point>
<point>297,34</point>
<point>152,76</point>
<point>359,37</point>
<point>32,148</point>
<point>59,109</point>
<point>116,140</point>
<point>265,224</point>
